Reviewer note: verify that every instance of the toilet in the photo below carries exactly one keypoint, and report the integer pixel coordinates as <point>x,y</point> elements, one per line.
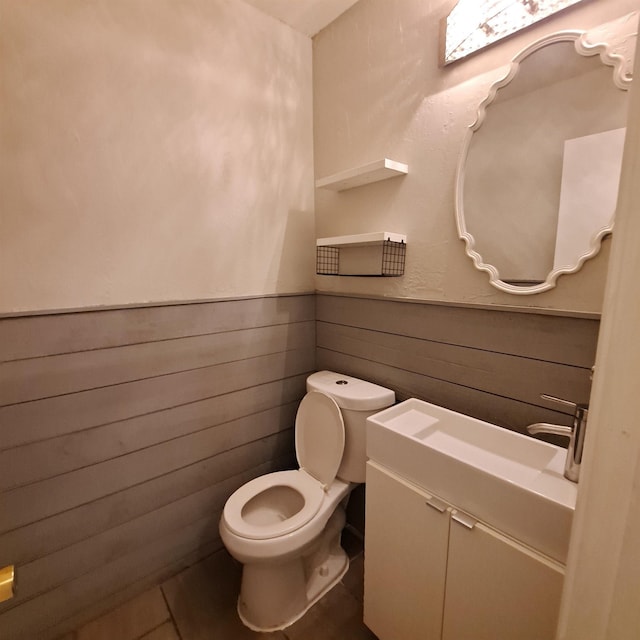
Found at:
<point>285,527</point>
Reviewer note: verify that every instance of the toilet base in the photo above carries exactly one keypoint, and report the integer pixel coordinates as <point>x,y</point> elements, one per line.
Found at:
<point>275,595</point>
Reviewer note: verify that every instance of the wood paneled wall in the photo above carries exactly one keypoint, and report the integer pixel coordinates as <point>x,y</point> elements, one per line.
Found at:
<point>122,433</point>
<point>490,364</point>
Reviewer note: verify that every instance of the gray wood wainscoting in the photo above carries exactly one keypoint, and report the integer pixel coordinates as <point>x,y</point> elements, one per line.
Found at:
<point>490,364</point>
<point>122,433</point>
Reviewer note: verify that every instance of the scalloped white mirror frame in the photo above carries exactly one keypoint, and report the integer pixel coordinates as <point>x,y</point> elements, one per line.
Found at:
<point>615,43</point>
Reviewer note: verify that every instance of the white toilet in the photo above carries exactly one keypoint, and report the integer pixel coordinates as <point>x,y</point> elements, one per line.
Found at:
<point>285,527</point>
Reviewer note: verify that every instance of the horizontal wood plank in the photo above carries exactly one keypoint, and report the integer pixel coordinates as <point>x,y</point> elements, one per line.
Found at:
<point>42,499</point>
<point>569,341</point>
<point>44,459</point>
<point>70,562</point>
<point>504,412</point>
<point>501,374</point>
<point>28,619</point>
<point>25,544</point>
<point>37,336</point>
<point>40,419</point>
<point>25,380</point>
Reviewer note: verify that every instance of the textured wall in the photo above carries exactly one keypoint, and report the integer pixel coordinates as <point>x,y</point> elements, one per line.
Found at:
<point>152,150</point>
<point>379,92</point>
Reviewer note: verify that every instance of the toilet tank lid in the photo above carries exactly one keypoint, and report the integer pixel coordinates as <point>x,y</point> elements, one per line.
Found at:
<point>351,393</point>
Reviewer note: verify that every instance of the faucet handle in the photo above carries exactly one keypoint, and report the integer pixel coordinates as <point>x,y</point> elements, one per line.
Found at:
<point>566,403</point>
<point>552,429</point>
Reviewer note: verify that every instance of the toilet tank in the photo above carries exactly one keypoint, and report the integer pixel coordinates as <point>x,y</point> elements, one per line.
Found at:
<point>357,400</point>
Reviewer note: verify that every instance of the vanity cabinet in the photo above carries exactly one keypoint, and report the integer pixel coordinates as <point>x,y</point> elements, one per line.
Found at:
<point>431,572</point>
<point>405,559</point>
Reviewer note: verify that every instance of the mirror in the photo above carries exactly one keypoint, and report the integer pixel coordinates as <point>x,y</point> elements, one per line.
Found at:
<point>538,176</point>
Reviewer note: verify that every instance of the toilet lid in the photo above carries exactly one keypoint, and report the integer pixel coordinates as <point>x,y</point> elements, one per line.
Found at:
<point>319,437</point>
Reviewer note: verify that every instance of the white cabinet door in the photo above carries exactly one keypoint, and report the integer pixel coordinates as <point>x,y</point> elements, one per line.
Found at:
<point>498,589</point>
<point>404,560</point>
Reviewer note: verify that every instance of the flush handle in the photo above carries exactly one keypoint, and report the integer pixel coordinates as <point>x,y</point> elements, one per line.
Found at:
<point>561,401</point>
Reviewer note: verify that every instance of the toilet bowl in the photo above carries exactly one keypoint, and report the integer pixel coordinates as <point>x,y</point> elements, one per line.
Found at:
<point>285,527</point>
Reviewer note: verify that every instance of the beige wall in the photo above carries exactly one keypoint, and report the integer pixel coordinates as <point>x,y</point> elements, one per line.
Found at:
<point>152,150</point>
<point>379,92</point>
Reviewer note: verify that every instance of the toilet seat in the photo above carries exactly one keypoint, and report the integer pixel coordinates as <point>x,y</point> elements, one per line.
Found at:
<point>309,488</point>
<point>319,448</point>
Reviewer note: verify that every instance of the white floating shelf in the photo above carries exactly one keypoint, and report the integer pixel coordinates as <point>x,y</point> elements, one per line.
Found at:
<point>366,174</point>
<point>381,253</point>
<point>361,239</point>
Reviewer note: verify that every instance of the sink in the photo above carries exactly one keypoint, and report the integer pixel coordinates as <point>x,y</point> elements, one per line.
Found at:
<point>508,480</point>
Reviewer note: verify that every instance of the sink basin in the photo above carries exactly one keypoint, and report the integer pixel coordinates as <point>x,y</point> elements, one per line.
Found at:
<point>509,481</point>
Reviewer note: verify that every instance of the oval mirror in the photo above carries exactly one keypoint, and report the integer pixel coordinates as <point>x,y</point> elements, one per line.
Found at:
<point>538,176</point>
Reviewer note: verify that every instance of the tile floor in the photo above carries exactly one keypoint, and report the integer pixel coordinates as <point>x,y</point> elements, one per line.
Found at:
<point>200,603</point>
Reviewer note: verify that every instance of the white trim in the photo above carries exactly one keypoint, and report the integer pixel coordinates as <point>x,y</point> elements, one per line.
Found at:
<point>602,589</point>
<point>544,311</point>
<point>141,305</point>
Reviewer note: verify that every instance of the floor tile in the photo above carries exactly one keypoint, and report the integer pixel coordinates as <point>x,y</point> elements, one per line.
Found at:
<point>202,604</point>
<point>194,598</point>
<point>129,621</point>
<point>354,578</point>
<point>229,627</point>
<point>203,598</point>
<point>164,632</point>
<point>355,629</point>
<point>327,619</point>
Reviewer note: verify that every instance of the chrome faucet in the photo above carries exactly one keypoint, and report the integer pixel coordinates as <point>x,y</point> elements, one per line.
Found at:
<point>575,434</point>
